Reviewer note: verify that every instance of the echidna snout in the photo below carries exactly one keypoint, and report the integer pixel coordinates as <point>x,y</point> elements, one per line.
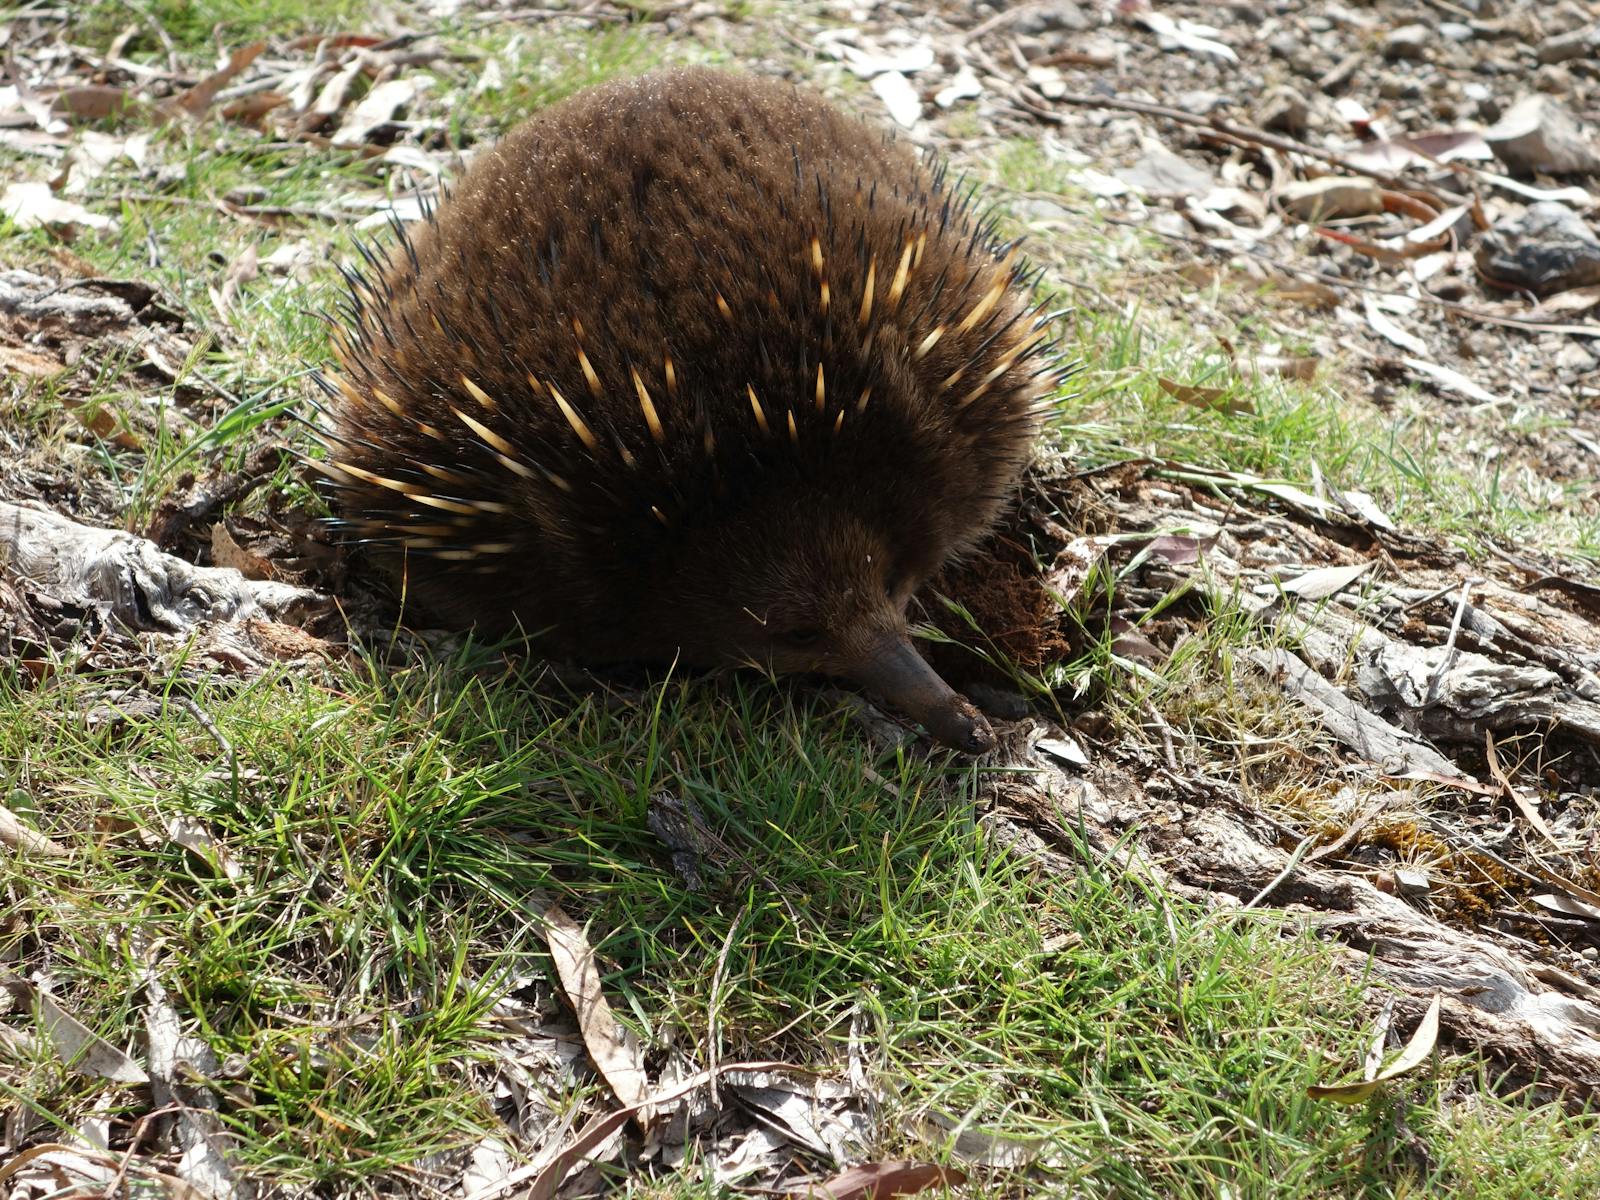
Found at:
<point>890,666</point>
<point>822,593</point>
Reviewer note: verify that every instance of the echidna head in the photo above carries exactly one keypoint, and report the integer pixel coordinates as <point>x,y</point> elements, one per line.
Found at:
<point>816,592</point>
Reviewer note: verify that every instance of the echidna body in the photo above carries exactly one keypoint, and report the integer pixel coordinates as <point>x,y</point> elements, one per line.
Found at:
<point>691,367</point>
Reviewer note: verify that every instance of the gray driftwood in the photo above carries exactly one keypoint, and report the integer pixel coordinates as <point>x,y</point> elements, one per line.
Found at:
<point>129,579</point>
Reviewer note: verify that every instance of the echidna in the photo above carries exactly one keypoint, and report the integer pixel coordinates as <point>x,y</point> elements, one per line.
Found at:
<point>691,366</point>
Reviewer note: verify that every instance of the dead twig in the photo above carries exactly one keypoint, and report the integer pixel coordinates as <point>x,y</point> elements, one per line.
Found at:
<point>1449,658</point>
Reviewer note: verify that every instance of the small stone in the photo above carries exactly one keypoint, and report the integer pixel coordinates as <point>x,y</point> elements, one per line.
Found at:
<point>1399,86</point>
<point>1341,73</point>
<point>1554,80</point>
<point>964,86</point>
<point>1284,110</point>
<point>1172,224</point>
<point>1574,358</point>
<point>1548,249</point>
<point>899,97</point>
<point>1411,884</point>
<point>1455,31</point>
<point>1160,172</point>
<point>1409,41</point>
<point>1200,101</point>
<point>1041,209</point>
<point>1049,81</point>
<point>1057,16</point>
<point>1285,44</point>
<point>1542,134</point>
<point>1580,43</point>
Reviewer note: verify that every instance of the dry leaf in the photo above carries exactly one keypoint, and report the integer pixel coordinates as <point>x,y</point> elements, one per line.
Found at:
<point>1324,581</point>
<point>32,204</point>
<point>242,270</point>
<point>197,99</point>
<point>1435,235</point>
<point>1063,749</point>
<point>80,1048</point>
<point>1223,400</point>
<point>93,102</point>
<point>1330,198</point>
<point>979,1146</point>
<point>1525,806</point>
<point>1301,367</point>
<point>1307,292</point>
<point>552,1171</point>
<point>334,41</point>
<point>248,110</point>
<point>1567,906</point>
<point>103,423</point>
<point>1385,328</point>
<point>1414,1055</point>
<point>1453,381</point>
<point>612,1046</point>
<point>1565,304</point>
<point>226,552</point>
<point>26,362</point>
<point>1136,646</point>
<point>1395,155</point>
<point>1199,40</point>
<point>194,837</point>
<point>1179,549</point>
<point>61,1170</point>
<point>1365,507</point>
<point>26,840</point>
<point>870,1181</point>
<point>377,108</point>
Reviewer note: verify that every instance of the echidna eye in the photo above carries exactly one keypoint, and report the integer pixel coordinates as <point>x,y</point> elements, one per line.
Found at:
<point>802,637</point>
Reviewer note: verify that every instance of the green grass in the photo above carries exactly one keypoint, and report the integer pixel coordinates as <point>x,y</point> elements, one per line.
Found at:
<point>383,839</point>
<point>394,835</point>
<point>193,25</point>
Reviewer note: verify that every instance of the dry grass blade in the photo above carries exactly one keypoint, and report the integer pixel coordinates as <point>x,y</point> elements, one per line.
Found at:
<point>1524,806</point>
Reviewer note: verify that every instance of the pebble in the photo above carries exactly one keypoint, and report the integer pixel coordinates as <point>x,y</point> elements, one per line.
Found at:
<point>1580,43</point>
<point>1284,110</point>
<point>1052,17</point>
<point>1549,248</point>
<point>1409,41</point>
<point>1541,134</point>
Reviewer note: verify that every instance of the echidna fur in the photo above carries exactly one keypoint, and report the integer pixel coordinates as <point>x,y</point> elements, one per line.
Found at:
<point>691,367</point>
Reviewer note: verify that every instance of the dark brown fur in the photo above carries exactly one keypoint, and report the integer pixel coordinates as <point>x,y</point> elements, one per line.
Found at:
<point>492,426</point>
